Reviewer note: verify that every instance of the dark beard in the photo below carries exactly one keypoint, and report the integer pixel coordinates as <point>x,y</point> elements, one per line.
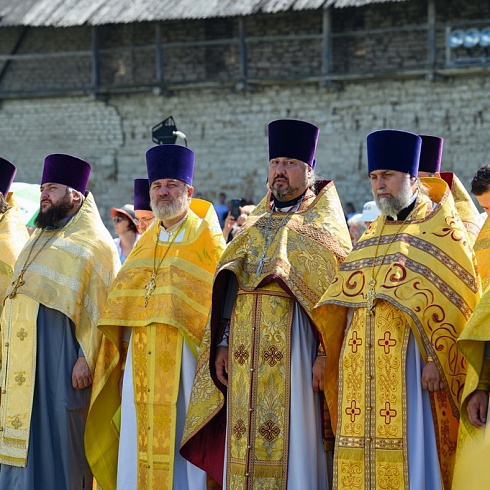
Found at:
<point>52,216</point>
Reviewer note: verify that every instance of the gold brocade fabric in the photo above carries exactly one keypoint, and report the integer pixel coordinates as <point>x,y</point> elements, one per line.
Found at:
<point>260,348</point>
<point>277,260</point>
<point>176,312</point>
<point>425,283</point>
<point>71,274</point>
<point>482,247</point>
<point>374,442</point>
<point>13,236</point>
<point>468,212</point>
<point>305,252</point>
<point>473,445</point>
<point>371,450</point>
<point>19,351</point>
<point>156,387</point>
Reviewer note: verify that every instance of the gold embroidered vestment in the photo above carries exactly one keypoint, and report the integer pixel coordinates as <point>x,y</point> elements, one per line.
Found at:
<point>474,444</point>
<point>295,266</point>
<point>426,284</point>
<point>71,274</point>
<point>13,236</point>
<point>176,312</point>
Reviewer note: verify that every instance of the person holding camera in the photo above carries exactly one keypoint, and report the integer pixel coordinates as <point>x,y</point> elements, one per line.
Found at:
<point>235,220</point>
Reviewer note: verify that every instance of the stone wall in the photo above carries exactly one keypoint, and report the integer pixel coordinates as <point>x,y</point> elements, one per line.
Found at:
<point>226,127</point>
<point>227,130</point>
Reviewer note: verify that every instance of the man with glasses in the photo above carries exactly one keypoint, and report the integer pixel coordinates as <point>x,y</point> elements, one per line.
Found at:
<point>142,206</point>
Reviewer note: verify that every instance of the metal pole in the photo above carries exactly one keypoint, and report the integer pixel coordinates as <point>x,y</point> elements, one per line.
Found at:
<point>159,55</point>
<point>95,62</point>
<point>431,37</point>
<point>243,52</point>
<point>326,43</point>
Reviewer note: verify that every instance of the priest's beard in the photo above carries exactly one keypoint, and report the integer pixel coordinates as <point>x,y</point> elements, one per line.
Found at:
<point>392,205</point>
<point>53,215</point>
<point>169,209</point>
<point>287,193</point>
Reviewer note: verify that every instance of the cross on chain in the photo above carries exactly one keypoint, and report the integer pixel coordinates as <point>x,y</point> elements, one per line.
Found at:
<point>17,284</point>
<point>150,287</point>
<point>261,262</point>
<point>370,296</point>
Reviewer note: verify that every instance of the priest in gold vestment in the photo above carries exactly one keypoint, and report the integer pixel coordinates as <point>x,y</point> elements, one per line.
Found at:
<point>49,335</point>
<point>390,321</point>
<point>255,417</point>
<point>158,304</point>
<point>13,233</point>
<point>480,187</point>
<point>473,451</point>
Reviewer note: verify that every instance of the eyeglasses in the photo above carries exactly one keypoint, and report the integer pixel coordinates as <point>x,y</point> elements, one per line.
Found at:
<point>143,221</point>
<point>117,219</point>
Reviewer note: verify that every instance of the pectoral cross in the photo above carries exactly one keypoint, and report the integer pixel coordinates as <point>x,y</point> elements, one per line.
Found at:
<point>370,296</point>
<point>261,263</point>
<point>150,287</point>
<point>17,284</point>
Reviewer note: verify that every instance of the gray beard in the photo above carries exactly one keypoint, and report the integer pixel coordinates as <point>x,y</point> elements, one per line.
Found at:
<point>168,210</point>
<point>391,206</point>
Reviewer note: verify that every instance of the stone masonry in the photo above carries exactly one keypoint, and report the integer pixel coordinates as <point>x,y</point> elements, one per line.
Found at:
<point>227,131</point>
<point>225,121</point>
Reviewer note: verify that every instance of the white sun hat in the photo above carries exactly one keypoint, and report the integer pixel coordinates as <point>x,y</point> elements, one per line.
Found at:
<point>369,212</point>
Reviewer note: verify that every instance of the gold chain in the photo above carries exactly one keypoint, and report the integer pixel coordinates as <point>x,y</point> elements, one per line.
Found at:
<point>370,296</point>
<point>269,237</point>
<point>20,279</point>
<point>151,286</point>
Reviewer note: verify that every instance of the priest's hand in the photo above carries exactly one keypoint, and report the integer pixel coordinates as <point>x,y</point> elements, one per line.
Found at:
<point>318,371</point>
<point>431,379</point>
<point>81,377</point>
<point>221,364</point>
<point>477,408</point>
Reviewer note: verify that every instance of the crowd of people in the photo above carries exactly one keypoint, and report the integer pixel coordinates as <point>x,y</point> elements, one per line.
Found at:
<point>292,345</point>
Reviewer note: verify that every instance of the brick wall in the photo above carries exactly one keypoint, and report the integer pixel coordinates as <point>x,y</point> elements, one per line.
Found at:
<point>227,130</point>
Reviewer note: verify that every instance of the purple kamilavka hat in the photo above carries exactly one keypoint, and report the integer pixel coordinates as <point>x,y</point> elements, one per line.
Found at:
<point>142,195</point>
<point>392,149</point>
<point>431,154</point>
<point>292,138</point>
<point>170,162</point>
<point>67,170</point>
<point>7,174</point>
